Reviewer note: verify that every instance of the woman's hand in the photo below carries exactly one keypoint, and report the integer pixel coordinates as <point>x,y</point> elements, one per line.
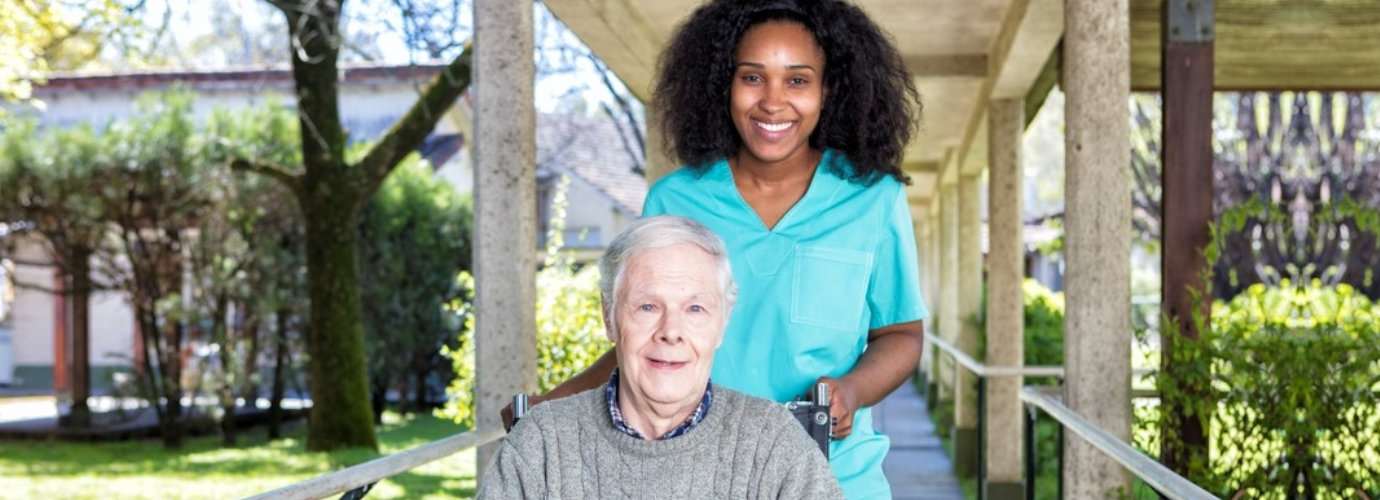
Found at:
<point>843,402</point>
<point>891,356</point>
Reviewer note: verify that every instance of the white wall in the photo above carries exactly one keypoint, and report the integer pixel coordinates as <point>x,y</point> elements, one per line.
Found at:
<point>367,110</point>
<point>33,310</point>
<point>112,319</point>
<point>587,208</point>
<point>112,330</point>
<point>459,171</point>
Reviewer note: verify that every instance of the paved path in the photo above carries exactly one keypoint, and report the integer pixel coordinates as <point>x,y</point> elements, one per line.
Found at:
<point>917,466</point>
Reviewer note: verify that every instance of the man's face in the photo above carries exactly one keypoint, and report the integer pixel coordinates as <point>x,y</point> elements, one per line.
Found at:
<point>670,317</point>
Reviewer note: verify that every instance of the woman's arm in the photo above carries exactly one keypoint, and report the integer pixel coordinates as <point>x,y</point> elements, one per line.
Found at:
<point>592,377</point>
<point>893,352</point>
<point>893,349</point>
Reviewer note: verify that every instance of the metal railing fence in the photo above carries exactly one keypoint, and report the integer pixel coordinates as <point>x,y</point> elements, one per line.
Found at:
<point>1177,484</point>
<point>361,477</point>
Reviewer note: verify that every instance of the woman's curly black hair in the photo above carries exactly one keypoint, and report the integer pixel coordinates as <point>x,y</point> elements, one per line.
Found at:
<point>870,109</point>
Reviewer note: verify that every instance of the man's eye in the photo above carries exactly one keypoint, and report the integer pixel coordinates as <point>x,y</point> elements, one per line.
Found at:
<point>696,308</point>
<point>646,307</point>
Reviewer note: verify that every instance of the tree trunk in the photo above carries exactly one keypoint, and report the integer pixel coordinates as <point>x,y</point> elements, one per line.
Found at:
<point>275,401</point>
<point>419,372</point>
<point>339,386</point>
<point>331,193</point>
<point>226,389</point>
<point>378,399</point>
<point>250,332</point>
<point>79,269</point>
<point>173,425</point>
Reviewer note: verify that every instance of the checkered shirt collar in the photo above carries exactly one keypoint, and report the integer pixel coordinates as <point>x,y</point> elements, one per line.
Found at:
<point>690,422</point>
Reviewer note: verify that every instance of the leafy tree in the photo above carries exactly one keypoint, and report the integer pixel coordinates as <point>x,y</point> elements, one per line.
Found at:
<point>45,181</point>
<point>1291,370</point>
<point>162,188</point>
<point>1297,365</point>
<point>243,260</point>
<point>414,239</point>
<point>570,325</point>
<point>1299,151</point>
<point>331,189</point>
<point>37,36</point>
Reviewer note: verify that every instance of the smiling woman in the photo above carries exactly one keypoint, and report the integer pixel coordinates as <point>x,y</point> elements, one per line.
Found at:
<point>790,117</point>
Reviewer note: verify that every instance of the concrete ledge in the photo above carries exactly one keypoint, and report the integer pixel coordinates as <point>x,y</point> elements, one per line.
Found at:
<point>966,444</point>
<point>1004,491</point>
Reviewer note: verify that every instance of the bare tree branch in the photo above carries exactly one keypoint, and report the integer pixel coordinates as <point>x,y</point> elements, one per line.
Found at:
<point>410,130</point>
<point>291,180</point>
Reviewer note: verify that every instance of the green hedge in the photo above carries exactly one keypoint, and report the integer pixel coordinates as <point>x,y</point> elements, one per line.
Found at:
<point>1296,370</point>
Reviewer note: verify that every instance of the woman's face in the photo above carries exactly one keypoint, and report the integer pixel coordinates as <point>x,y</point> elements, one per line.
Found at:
<point>777,93</point>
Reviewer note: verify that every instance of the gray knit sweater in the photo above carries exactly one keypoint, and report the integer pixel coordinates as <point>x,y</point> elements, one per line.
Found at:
<point>746,447</point>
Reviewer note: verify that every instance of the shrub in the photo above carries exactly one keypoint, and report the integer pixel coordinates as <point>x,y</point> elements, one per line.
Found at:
<point>570,327</point>
<point>1296,369</point>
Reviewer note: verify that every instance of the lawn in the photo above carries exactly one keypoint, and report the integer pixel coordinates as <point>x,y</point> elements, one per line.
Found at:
<point>203,469</point>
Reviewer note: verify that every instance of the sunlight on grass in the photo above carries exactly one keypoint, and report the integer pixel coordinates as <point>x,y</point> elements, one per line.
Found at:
<point>202,469</point>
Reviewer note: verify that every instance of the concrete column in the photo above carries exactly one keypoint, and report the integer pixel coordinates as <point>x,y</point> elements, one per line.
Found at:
<point>659,163</point>
<point>948,284</point>
<point>922,250</point>
<point>933,298</point>
<point>936,262</point>
<point>1005,309</point>
<point>966,441</point>
<point>505,234</point>
<point>1097,232</point>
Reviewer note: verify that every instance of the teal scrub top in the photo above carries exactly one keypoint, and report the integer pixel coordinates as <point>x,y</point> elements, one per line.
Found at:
<point>839,263</point>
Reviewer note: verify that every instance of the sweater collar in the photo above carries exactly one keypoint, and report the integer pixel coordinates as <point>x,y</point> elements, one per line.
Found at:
<point>702,410</point>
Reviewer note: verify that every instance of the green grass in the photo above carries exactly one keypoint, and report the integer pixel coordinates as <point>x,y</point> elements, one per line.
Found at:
<point>203,469</point>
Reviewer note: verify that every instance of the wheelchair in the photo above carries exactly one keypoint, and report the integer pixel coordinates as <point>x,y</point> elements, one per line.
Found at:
<point>811,410</point>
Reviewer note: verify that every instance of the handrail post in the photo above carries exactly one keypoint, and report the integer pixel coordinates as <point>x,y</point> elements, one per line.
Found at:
<point>982,436</point>
<point>1059,445</point>
<point>1032,452</point>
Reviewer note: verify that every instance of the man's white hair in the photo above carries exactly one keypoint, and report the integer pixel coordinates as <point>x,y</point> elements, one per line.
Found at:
<point>660,231</point>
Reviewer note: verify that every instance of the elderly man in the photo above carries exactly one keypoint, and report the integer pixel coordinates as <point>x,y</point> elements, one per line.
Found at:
<point>660,428</point>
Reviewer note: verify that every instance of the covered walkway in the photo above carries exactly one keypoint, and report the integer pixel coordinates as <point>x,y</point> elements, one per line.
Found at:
<point>917,466</point>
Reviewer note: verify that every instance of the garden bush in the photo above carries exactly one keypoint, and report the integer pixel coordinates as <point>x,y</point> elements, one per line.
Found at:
<point>570,327</point>
<point>1296,370</point>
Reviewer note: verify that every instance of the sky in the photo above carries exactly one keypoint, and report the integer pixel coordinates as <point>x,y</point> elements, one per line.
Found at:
<point>380,20</point>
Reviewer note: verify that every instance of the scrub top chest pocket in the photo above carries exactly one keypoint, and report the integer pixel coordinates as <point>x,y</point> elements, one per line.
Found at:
<point>830,288</point>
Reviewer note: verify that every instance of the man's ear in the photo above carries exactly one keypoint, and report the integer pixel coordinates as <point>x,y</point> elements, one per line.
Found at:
<point>608,315</point>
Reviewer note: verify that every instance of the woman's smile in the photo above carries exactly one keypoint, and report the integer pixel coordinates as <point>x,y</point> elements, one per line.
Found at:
<point>777,94</point>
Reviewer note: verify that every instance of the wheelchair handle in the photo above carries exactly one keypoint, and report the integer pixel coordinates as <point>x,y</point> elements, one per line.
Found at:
<point>520,407</point>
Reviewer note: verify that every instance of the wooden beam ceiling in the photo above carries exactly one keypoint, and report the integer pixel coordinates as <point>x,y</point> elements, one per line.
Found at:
<point>1274,44</point>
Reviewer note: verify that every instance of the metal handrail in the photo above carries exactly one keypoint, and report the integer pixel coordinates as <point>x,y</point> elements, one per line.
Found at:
<point>982,370</point>
<point>381,468</point>
<point>1159,477</point>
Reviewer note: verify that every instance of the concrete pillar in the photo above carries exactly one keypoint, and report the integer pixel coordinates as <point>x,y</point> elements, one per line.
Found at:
<point>931,283</point>
<point>923,230</point>
<point>969,274</point>
<point>658,162</point>
<point>1097,236</point>
<point>505,233</point>
<point>936,262</point>
<point>948,284</point>
<point>1005,309</point>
